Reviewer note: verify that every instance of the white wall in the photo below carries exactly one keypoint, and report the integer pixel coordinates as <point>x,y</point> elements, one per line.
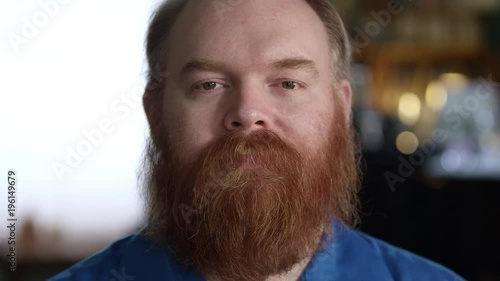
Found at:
<point>80,64</point>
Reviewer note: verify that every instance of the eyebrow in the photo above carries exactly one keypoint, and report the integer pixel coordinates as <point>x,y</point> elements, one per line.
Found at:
<point>296,63</point>
<point>200,65</point>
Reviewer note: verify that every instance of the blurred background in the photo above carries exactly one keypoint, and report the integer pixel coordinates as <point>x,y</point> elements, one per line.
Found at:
<point>426,106</point>
<point>428,112</point>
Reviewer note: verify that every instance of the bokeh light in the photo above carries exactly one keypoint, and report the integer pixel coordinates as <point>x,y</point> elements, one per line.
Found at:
<point>407,142</point>
<point>409,109</point>
<point>436,95</point>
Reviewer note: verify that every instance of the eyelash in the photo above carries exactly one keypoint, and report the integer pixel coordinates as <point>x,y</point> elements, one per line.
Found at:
<point>298,84</point>
<point>199,86</point>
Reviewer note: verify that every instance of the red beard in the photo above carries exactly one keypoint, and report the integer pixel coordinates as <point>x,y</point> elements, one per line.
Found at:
<point>251,206</point>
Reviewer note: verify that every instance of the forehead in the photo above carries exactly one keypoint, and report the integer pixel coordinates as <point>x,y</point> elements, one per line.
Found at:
<point>247,33</point>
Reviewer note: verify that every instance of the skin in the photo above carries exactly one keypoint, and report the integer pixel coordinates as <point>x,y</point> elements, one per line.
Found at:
<point>224,76</point>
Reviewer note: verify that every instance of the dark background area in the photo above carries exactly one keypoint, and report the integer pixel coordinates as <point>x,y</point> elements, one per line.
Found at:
<point>447,206</point>
<point>456,224</point>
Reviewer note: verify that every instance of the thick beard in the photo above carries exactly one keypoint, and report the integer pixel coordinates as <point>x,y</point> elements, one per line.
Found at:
<point>251,223</point>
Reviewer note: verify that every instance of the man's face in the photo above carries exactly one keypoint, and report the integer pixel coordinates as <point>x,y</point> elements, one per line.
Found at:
<point>252,156</point>
<point>262,65</point>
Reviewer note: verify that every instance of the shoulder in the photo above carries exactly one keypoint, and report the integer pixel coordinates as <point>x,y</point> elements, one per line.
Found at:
<point>356,256</point>
<point>398,264</point>
<point>101,266</point>
<point>133,257</point>
<point>126,259</point>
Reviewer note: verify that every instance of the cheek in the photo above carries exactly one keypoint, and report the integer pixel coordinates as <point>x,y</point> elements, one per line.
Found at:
<point>309,127</point>
<point>306,129</point>
<point>188,130</point>
<point>313,132</point>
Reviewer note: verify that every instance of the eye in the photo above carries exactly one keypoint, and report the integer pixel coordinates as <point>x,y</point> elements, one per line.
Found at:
<point>208,86</point>
<point>290,85</point>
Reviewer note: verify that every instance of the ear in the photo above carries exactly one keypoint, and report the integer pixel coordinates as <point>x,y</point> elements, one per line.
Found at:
<point>151,101</point>
<point>346,96</point>
<point>147,102</point>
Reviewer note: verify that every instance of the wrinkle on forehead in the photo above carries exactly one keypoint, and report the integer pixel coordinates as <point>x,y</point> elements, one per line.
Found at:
<point>259,30</point>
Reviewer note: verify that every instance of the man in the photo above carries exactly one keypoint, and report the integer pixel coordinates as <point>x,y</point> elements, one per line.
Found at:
<point>251,170</point>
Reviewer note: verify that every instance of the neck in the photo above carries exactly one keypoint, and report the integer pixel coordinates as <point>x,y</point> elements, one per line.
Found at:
<point>293,275</point>
<point>297,270</point>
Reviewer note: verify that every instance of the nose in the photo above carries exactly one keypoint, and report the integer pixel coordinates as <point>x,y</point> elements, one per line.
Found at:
<point>249,110</point>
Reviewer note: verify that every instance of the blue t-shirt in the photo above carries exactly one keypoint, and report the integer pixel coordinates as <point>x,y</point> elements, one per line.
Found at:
<point>352,256</point>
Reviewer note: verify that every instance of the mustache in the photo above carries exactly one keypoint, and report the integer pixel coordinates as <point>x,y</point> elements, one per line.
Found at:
<point>263,148</point>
